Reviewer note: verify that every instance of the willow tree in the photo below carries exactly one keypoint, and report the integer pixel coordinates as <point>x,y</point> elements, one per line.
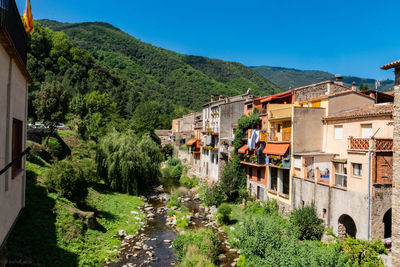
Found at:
<point>127,163</point>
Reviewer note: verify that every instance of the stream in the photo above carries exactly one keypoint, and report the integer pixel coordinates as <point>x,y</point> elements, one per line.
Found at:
<point>152,245</point>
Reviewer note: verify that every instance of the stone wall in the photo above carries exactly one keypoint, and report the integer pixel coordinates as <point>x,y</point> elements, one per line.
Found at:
<point>381,202</point>
<point>317,90</point>
<point>396,179</point>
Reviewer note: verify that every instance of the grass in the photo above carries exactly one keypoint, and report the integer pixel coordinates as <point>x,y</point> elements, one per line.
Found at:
<point>182,218</point>
<point>49,233</point>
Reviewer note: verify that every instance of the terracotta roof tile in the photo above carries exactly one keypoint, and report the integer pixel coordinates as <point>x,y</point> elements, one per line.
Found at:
<point>391,65</point>
<point>373,110</point>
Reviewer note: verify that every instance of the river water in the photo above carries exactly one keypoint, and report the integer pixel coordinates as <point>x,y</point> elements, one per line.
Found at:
<point>152,245</point>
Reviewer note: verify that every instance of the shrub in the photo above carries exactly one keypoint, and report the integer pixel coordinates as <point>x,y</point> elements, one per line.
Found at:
<point>168,151</point>
<point>214,196</point>
<point>241,262</point>
<point>262,208</point>
<point>67,178</point>
<point>173,161</point>
<point>173,201</point>
<point>58,148</point>
<point>193,257</point>
<point>189,182</point>
<point>204,239</point>
<point>224,212</point>
<point>307,222</point>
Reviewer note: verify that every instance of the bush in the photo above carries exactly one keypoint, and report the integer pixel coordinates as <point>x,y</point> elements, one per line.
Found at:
<point>58,148</point>
<point>173,201</point>
<point>224,212</point>
<point>173,161</point>
<point>307,222</point>
<point>262,208</point>
<point>68,179</point>
<point>266,241</point>
<point>204,240</point>
<point>168,150</point>
<point>214,196</point>
<point>193,257</point>
<point>189,182</point>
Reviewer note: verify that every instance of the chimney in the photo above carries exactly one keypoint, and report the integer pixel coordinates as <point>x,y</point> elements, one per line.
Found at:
<point>221,97</point>
<point>212,98</point>
<point>339,79</point>
<point>353,86</point>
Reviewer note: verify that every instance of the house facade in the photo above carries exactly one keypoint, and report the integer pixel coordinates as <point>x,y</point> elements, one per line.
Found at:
<point>219,119</point>
<point>396,168</point>
<point>14,80</point>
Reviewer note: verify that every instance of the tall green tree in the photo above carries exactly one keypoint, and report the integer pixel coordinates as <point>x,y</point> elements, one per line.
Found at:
<point>51,105</point>
<point>128,163</point>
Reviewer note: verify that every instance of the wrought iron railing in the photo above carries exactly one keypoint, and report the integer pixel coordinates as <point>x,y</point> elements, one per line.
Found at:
<point>14,161</point>
<point>10,19</point>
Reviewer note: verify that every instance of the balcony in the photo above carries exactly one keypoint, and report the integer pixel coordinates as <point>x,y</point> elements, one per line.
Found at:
<point>280,111</point>
<point>363,144</point>
<point>12,29</point>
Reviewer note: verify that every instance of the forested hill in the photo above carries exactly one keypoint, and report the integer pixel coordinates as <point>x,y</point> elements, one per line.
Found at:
<point>159,74</point>
<point>285,77</point>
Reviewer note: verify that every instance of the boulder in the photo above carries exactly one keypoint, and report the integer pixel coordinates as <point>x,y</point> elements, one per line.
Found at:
<point>121,233</point>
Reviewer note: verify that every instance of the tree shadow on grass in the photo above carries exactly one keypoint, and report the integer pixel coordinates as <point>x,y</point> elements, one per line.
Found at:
<point>34,238</point>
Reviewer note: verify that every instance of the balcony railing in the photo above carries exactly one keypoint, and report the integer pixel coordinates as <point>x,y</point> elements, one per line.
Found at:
<point>380,144</point>
<point>10,20</point>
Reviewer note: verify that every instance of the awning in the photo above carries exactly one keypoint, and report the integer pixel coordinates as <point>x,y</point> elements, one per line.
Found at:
<point>276,149</point>
<point>243,149</point>
<point>191,142</point>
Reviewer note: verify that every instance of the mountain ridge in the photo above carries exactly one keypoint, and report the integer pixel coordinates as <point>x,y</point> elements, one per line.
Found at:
<point>292,77</point>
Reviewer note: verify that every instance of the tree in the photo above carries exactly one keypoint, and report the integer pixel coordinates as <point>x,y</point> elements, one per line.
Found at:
<point>51,105</point>
<point>363,87</point>
<point>128,163</point>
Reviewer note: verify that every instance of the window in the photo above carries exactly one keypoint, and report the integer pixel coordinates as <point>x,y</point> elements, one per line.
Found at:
<point>338,132</point>
<point>366,130</point>
<point>258,175</point>
<point>340,174</point>
<point>16,145</point>
<point>357,169</point>
<point>285,182</point>
<point>273,184</point>
<point>297,162</point>
<point>279,128</point>
<point>249,106</point>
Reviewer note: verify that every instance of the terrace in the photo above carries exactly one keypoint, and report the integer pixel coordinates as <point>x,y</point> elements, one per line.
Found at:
<point>364,144</point>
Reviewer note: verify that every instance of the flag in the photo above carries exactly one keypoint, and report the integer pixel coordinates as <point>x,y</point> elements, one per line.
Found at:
<point>377,84</point>
<point>28,18</point>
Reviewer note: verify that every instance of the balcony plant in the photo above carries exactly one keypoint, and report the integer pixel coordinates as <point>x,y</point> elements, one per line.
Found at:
<point>253,159</point>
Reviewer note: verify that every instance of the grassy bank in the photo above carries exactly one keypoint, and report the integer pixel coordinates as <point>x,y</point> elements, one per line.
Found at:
<point>50,233</point>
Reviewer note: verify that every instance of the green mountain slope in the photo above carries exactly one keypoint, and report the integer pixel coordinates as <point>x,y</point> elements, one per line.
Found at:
<point>160,74</point>
<point>285,78</point>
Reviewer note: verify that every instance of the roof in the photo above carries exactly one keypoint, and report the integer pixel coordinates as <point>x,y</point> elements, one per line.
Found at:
<point>243,149</point>
<point>192,142</point>
<point>276,149</point>
<point>349,91</point>
<point>390,65</point>
<point>273,97</point>
<point>320,83</point>
<point>382,97</point>
<point>368,111</point>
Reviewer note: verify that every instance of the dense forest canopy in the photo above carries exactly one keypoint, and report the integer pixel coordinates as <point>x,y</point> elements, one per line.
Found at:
<point>88,57</point>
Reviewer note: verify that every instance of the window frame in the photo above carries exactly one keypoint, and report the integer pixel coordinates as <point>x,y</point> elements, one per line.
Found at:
<point>343,179</point>
<point>16,148</point>
<point>353,169</point>
<point>338,126</point>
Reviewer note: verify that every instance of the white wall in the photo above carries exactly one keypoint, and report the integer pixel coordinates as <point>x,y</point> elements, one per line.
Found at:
<point>12,198</point>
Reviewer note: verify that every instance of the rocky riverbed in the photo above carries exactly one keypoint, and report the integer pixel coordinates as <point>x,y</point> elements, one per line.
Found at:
<point>152,245</point>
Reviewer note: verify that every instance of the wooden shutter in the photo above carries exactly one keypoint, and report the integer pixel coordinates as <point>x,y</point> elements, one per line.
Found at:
<point>287,130</point>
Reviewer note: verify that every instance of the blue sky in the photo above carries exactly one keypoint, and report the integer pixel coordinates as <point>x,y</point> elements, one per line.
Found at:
<point>350,37</point>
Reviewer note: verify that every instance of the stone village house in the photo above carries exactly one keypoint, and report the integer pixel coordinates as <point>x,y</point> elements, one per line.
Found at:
<point>14,80</point>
